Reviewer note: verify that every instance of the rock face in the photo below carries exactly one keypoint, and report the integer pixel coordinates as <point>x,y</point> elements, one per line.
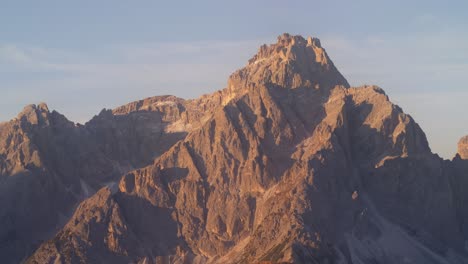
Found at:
<point>292,62</point>
<point>288,164</point>
<point>463,148</point>
<point>48,164</point>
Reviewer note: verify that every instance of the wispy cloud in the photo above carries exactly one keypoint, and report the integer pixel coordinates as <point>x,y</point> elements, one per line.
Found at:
<point>80,84</point>
<point>428,60</point>
<point>29,58</point>
<point>425,19</point>
<point>118,58</point>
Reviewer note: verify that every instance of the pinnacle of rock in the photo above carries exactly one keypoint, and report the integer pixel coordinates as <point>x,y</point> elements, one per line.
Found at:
<point>290,48</point>
<point>292,62</point>
<point>34,114</point>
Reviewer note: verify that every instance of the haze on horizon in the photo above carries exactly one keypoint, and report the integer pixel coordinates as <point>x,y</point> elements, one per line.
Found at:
<point>84,56</point>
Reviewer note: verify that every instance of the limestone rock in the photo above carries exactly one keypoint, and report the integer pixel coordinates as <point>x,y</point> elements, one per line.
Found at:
<point>48,165</point>
<point>287,164</point>
<point>292,62</point>
<point>463,147</point>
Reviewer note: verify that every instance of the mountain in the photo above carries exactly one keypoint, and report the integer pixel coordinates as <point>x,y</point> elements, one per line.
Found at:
<point>49,164</point>
<point>287,164</point>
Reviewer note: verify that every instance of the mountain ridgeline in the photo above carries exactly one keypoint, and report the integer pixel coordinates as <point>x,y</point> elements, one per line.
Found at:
<point>287,164</point>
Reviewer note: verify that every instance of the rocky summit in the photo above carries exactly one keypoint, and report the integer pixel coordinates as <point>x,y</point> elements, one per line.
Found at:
<point>287,164</point>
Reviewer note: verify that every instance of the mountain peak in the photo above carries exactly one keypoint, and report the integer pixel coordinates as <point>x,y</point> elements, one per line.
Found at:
<point>292,62</point>
<point>34,114</point>
<point>291,48</point>
<point>288,39</point>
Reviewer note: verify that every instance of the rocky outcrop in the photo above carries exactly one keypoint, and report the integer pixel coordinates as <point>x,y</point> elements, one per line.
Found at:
<point>463,148</point>
<point>291,63</point>
<point>49,164</point>
<point>288,164</point>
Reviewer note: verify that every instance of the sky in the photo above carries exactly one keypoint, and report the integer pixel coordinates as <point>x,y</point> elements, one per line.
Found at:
<point>82,56</point>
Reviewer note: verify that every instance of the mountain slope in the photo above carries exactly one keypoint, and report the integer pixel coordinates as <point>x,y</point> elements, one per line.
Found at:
<point>48,164</point>
<point>288,164</point>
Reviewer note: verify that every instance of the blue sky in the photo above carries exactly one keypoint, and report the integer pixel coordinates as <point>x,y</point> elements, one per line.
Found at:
<point>82,56</point>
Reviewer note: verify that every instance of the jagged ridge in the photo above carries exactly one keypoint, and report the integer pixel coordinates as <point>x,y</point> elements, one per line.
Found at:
<point>288,164</point>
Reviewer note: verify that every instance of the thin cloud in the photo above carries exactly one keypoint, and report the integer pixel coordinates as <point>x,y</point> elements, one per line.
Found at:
<point>15,58</point>
<point>425,19</point>
<point>68,80</point>
<point>12,54</point>
<point>426,57</point>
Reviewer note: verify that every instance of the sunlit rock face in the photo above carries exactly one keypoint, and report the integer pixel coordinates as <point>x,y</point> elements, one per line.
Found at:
<point>49,164</point>
<point>287,164</point>
<point>292,62</point>
<point>463,148</point>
